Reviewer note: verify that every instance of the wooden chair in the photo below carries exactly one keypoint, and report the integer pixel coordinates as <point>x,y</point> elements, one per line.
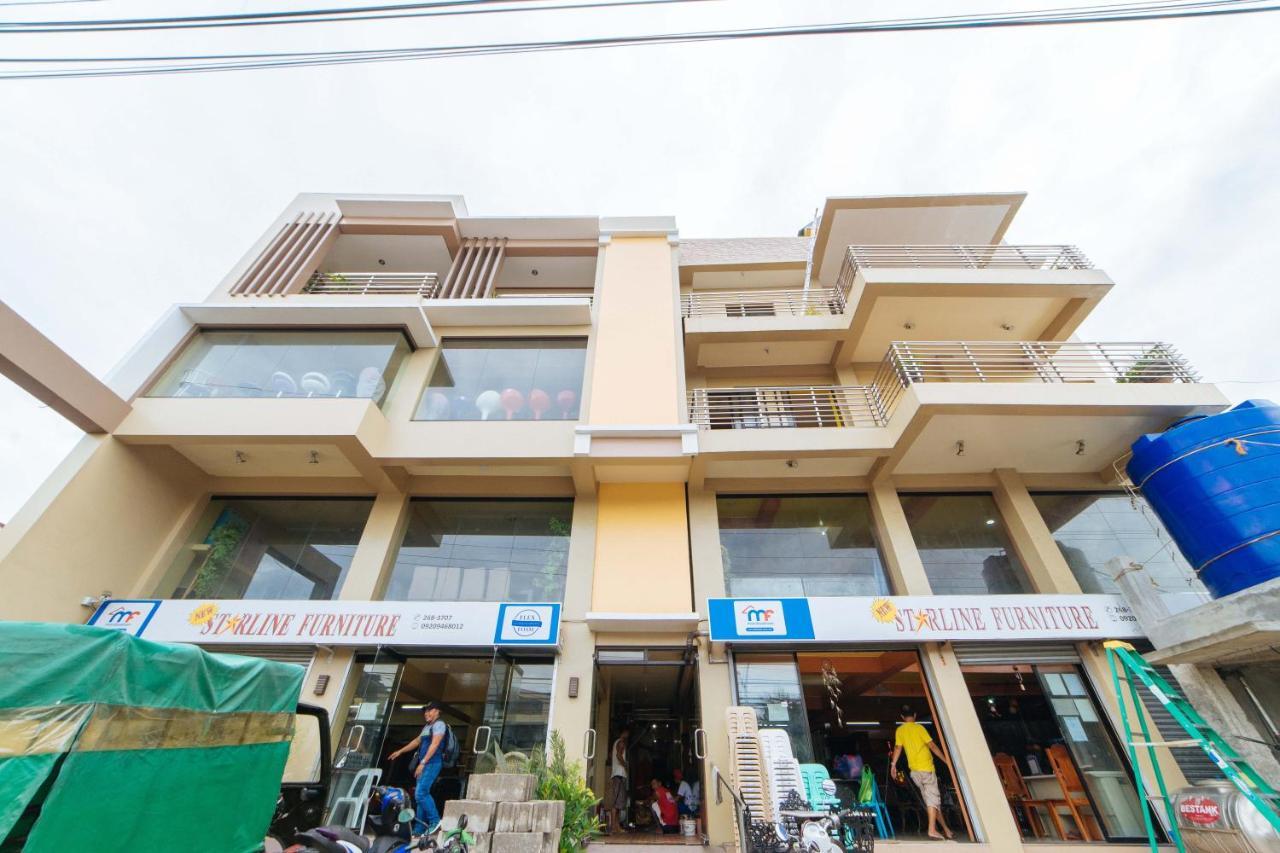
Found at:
<point>1019,796</point>
<point>1073,792</point>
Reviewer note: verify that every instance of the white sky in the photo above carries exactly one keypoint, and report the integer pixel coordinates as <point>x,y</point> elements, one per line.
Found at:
<point>1151,146</point>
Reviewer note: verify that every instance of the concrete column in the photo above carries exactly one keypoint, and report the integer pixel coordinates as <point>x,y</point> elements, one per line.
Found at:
<point>376,552</point>
<point>901,559</point>
<point>572,717</point>
<point>704,549</point>
<point>339,665</point>
<point>967,747</point>
<point>715,693</point>
<point>1205,689</point>
<point>406,390</point>
<point>1030,536</point>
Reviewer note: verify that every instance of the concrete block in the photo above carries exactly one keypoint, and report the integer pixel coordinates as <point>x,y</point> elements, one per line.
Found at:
<point>484,843</point>
<point>479,814</point>
<point>501,787</point>
<point>548,815</point>
<point>551,841</point>
<point>513,817</point>
<point>517,842</point>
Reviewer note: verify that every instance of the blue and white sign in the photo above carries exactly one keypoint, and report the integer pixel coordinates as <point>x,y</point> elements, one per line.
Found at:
<point>335,623</point>
<point>922,618</point>
<point>528,625</point>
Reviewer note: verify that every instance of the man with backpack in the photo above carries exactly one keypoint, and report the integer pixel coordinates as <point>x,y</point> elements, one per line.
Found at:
<point>436,748</point>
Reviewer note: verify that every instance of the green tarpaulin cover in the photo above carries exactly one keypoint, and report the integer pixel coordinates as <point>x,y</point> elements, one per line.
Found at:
<point>112,743</point>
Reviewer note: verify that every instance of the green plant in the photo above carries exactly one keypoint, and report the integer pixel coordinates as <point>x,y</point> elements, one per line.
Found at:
<point>561,779</point>
<point>224,543</point>
<point>549,582</point>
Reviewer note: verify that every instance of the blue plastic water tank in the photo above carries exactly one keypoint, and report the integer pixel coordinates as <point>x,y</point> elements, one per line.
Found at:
<point>1221,508</point>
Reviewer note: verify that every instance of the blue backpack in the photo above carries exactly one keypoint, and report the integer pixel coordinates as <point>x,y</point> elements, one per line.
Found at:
<point>449,748</point>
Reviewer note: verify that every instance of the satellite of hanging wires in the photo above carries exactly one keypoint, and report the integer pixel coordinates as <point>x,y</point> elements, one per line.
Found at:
<point>63,67</point>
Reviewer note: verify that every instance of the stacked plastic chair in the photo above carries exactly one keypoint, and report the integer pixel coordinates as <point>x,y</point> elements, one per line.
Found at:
<point>747,764</point>
<point>781,768</point>
<point>813,776</point>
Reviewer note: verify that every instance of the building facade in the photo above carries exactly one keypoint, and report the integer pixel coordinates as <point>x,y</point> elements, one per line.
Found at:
<point>576,474</point>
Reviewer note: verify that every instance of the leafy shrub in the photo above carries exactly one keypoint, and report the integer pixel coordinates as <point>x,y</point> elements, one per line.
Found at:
<point>560,779</point>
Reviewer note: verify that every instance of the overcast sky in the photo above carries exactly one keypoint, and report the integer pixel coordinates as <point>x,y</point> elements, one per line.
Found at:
<point>1152,146</point>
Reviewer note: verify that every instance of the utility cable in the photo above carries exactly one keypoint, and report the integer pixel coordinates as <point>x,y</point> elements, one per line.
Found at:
<point>1166,11</point>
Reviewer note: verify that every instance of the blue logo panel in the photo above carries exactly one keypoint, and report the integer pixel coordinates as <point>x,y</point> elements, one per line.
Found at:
<point>759,619</point>
<point>527,625</point>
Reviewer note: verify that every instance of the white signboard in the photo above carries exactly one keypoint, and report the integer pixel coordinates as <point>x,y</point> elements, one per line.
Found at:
<point>905,618</point>
<point>335,623</point>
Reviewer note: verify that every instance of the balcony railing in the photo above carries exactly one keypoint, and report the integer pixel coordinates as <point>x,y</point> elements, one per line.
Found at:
<point>908,363</point>
<point>794,302</point>
<point>967,257</point>
<point>423,284</point>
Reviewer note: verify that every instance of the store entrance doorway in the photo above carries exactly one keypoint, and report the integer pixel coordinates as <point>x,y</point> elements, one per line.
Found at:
<point>497,706</point>
<point>652,695</point>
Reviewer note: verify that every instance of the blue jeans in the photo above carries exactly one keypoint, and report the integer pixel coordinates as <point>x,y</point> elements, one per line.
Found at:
<point>425,814</point>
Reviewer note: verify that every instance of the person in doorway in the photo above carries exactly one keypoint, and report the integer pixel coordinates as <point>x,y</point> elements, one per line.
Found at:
<point>616,797</point>
<point>428,749</point>
<point>664,808</point>
<point>688,798</point>
<point>914,739</point>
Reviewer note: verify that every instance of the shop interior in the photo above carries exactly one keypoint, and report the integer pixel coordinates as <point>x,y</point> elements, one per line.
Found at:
<point>1060,769</point>
<point>653,693</point>
<point>497,706</point>
<point>841,710</point>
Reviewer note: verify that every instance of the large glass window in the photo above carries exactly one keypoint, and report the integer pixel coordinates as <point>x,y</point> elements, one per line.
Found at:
<point>483,550</point>
<point>511,379</point>
<point>770,684</point>
<point>1093,528</point>
<point>285,364</point>
<point>963,545</point>
<point>799,545</point>
<point>272,548</point>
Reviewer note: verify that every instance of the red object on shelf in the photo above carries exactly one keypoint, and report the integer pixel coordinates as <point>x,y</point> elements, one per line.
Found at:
<point>539,403</point>
<point>566,399</point>
<point>512,402</point>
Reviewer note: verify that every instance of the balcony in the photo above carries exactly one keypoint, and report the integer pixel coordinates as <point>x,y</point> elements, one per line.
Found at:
<point>792,302</point>
<point>907,364</point>
<point>422,284</point>
<point>970,257</point>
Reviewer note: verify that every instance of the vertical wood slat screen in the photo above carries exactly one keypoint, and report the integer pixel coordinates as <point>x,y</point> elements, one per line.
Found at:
<point>290,255</point>
<point>475,270</point>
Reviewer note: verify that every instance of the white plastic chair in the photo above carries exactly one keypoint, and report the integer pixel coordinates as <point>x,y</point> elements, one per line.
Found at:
<point>356,801</point>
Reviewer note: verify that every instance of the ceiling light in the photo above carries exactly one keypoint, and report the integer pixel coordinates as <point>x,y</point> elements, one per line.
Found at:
<point>241,457</point>
<point>382,262</point>
<point>1008,327</point>
<point>1080,447</point>
<point>313,457</point>
<point>908,325</point>
<point>989,522</point>
<point>791,463</point>
<point>959,448</point>
<point>533,272</point>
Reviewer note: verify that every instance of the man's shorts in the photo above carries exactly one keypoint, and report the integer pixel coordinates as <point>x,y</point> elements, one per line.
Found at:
<point>616,796</point>
<point>927,782</point>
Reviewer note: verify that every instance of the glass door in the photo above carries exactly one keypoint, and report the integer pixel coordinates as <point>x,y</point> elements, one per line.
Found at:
<point>516,710</point>
<point>368,712</point>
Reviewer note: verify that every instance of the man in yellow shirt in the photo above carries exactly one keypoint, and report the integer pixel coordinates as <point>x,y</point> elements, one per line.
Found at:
<point>914,739</point>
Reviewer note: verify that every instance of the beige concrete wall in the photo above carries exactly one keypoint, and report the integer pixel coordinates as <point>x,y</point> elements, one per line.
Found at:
<point>636,374</point>
<point>642,549</point>
<point>573,716</point>
<point>98,524</point>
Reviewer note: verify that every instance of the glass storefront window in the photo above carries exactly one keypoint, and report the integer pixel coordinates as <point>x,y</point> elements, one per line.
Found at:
<point>483,550</point>
<point>963,545</point>
<point>272,548</point>
<point>1052,746</point>
<point>799,545</point>
<point>1092,528</point>
<point>294,364</point>
<point>506,379</point>
<point>770,684</point>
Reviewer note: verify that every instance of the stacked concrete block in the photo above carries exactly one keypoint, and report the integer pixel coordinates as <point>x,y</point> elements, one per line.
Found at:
<point>504,817</point>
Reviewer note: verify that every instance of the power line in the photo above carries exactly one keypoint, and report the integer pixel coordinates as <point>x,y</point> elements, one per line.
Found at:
<point>237,62</point>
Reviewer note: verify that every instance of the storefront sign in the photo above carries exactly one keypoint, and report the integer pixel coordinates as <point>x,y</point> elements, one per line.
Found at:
<point>335,623</point>
<point>859,619</point>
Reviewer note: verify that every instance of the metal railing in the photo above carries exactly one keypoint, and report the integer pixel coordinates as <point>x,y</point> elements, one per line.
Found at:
<point>908,363</point>
<point>786,406</point>
<point>793,302</point>
<point>423,284</point>
<point>968,256</point>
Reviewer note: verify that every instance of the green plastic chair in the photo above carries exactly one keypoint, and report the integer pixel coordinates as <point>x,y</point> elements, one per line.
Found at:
<point>814,775</point>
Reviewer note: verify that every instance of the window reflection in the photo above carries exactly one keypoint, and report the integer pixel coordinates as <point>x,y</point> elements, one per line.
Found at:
<point>963,544</point>
<point>506,380</point>
<point>799,545</point>
<point>483,550</point>
<point>1094,528</point>
<point>272,548</point>
<point>285,364</point>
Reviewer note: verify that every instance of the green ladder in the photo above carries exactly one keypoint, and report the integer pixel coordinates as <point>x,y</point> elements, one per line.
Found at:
<point>1237,771</point>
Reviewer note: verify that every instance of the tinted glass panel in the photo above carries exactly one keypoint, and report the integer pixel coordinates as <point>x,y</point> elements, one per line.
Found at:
<point>481,550</point>
<point>799,545</point>
<point>492,380</point>
<point>272,548</point>
<point>285,364</point>
<point>770,684</point>
<point>1092,529</point>
<point>963,545</point>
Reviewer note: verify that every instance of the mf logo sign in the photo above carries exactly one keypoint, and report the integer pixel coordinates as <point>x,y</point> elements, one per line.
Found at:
<point>760,618</point>
<point>127,616</point>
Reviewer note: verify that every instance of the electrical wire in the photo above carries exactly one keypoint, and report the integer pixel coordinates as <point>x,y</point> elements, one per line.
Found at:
<point>1085,15</point>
